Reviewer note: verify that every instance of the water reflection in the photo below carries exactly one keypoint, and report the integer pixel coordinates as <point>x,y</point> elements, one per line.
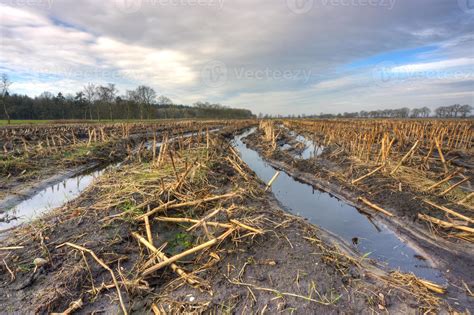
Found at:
<point>374,240</point>
<point>49,198</point>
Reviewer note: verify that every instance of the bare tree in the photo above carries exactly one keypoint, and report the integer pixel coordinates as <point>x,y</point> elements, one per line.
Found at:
<point>456,108</point>
<point>364,114</point>
<point>46,95</point>
<point>81,102</point>
<point>4,86</point>
<point>443,112</point>
<point>146,96</point>
<point>112,96</point>
<point>465,110</point>
<point>404,112</point>
<point>90,94</point>
<point>163,100</point>
<point>416,112</point>
<point>452,111</point>
<point>131,98</point>
<point>425,112</point>
<point>107,96</point>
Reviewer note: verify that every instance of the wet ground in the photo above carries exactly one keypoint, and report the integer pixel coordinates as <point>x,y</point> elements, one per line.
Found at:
<point>54,196</point>
<point>452,257</point>
<point>57,167</point>
<point>21,177</point>
<point>306,148</point>
<point>293,268</point>
<point>16,212</point>
<point>371,239</point>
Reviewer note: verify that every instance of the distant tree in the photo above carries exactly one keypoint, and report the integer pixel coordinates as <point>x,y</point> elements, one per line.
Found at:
<point>416,112</point>
<point>146,97</point>
<point>107,96</point>
<point>102,98</point>
<point>46,95</point>
<point>59,100</point>
<point>90,94</point>
<point>373,114</point>
<point>81,102</point>
<point>131,98</point>
<point>450,111</point>
<point>441,112</point>
<point>363,114</point>
<point>425,112</point>
<point>4,86</point>
<point>163,100</point>
<point>350,115</point>
<point>456,109</point>
<point>404,112</point>
<point>112,94</point>
<point>465,110</point>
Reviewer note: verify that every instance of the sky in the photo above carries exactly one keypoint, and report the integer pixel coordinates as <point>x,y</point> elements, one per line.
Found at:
<point>269,56</point>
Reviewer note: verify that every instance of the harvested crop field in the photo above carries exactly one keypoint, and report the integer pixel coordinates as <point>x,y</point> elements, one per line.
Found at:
<point>238,216</point>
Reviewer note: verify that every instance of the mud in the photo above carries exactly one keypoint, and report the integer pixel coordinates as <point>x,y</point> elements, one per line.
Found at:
<point>375,240</point>
<point>256,278</point>
<point>23,172</point>
<point>292,268</point>
<point>53,169</point>
<point>27,190</point>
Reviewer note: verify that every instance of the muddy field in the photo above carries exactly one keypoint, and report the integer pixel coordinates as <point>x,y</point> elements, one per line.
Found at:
<point>35,153</point>
<point>194,218</point>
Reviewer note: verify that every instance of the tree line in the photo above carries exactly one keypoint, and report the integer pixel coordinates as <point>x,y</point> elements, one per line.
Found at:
<point>452,111</point>
<point>99,102</point>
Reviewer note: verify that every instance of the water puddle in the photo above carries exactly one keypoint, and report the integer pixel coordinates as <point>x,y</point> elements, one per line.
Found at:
<point>311,149</point>
<point>59,194</point>
<point>49,198</point>
<point>372,239</point>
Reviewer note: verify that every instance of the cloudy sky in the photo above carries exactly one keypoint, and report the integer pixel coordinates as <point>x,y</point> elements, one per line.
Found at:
<point>270,56</point>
